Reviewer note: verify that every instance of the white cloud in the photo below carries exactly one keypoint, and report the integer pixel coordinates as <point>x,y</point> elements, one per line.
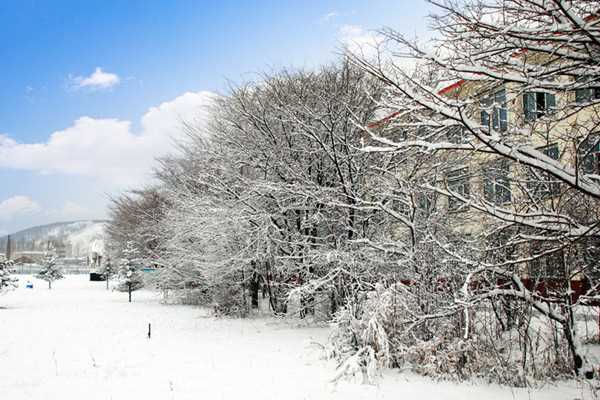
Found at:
<point>5,140</point>
<point>108,149</point>
<point>97,80</point>
<point>329,16</point>
<point>17,205</point>
<point>359,41</point>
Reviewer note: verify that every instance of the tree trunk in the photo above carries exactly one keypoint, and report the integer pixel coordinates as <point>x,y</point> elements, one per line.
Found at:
<point>129,291</point>
<point>579,362</point>
<point>106,281</point>
<point>272,301</point>
<point>49,284</point>
<point>254,287</point>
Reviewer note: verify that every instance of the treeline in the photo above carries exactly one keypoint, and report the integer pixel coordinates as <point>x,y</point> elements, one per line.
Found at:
<point>444,228</point>
<point>265,198</point>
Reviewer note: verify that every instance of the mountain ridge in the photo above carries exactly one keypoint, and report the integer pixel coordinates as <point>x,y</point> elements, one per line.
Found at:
<point>75,237</point>
<point>52,224</point>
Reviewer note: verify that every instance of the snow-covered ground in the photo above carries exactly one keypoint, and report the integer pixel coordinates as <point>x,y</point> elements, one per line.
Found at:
<point>79,341</point>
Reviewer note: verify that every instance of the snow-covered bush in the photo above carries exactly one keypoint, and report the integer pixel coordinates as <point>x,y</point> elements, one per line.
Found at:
<point>386,328</point>
<point>7,282</point>
<point>228,299</point>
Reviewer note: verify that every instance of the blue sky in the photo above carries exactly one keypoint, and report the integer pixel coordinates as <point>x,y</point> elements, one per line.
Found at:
<point>150,53</point>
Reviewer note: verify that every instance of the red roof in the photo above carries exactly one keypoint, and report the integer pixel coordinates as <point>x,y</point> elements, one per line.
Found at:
<point>455,85</point>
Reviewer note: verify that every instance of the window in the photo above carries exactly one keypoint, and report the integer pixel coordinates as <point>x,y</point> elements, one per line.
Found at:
<point>551,265</point>
<point>555,264</point>
<point>589,155</point>
<point>590,247</point>
<point>456,134</point>
<point>397,202</point>
<point>401,207</point>
<point>552,152</point>
<point>425,205</point>
<point>538,104</point>
<point>458,182</point>
<point>542,184</point>
<point>496,183</point>
<point>588,93</point>
<point>494,114</point>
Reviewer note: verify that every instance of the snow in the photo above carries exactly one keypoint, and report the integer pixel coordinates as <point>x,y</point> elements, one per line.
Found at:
<point>80,341</point>
<point>88,239</point>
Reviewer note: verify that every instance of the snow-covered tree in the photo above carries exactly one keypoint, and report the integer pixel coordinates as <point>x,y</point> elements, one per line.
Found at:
<point>7,281</point>
<point>130,274</point>
<point>272,191</point>
<point>108,269</point>
<point>420,200</point>
<point>511,118</point>
<point>133,218</point>
<point>50,272</point>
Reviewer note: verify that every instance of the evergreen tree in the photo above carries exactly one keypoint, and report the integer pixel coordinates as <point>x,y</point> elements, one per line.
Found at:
<point>129,270</point>
<point>108,270</point>
<point>7,282</point>
<point>50,271</point>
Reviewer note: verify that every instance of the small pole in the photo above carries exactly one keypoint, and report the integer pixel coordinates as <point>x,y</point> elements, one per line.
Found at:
<point>149,330</point>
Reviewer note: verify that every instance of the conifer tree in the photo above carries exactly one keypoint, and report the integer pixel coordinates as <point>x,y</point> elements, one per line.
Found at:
<point>7,282</point>
<point>50,271</point>
<point>129,270</point>
<point>108,270</point>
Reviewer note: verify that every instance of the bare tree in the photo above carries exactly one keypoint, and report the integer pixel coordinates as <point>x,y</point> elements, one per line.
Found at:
<point>513,119</point>
<point>277,181</point>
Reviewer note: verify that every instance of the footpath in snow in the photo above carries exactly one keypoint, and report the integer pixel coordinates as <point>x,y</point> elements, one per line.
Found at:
<point>80,341</point>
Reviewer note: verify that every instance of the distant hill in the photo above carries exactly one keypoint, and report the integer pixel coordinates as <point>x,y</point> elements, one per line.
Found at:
<point>76,236</point>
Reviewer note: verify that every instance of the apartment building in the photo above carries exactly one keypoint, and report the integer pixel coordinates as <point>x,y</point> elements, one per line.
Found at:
<point>562,126</point>
<point>485,186</point>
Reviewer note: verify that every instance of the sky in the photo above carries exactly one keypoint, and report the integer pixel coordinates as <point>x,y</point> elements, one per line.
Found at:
<point>93,91</point>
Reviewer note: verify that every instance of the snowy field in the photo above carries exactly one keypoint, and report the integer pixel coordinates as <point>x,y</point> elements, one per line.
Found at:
<point>79,341</point>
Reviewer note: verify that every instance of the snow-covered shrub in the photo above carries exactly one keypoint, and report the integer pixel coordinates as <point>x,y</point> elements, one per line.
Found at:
<point>387,328</point>
<point>191,293</point>
<point>193,297</point>
<point>7,282</point>
<point>228,299</point>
